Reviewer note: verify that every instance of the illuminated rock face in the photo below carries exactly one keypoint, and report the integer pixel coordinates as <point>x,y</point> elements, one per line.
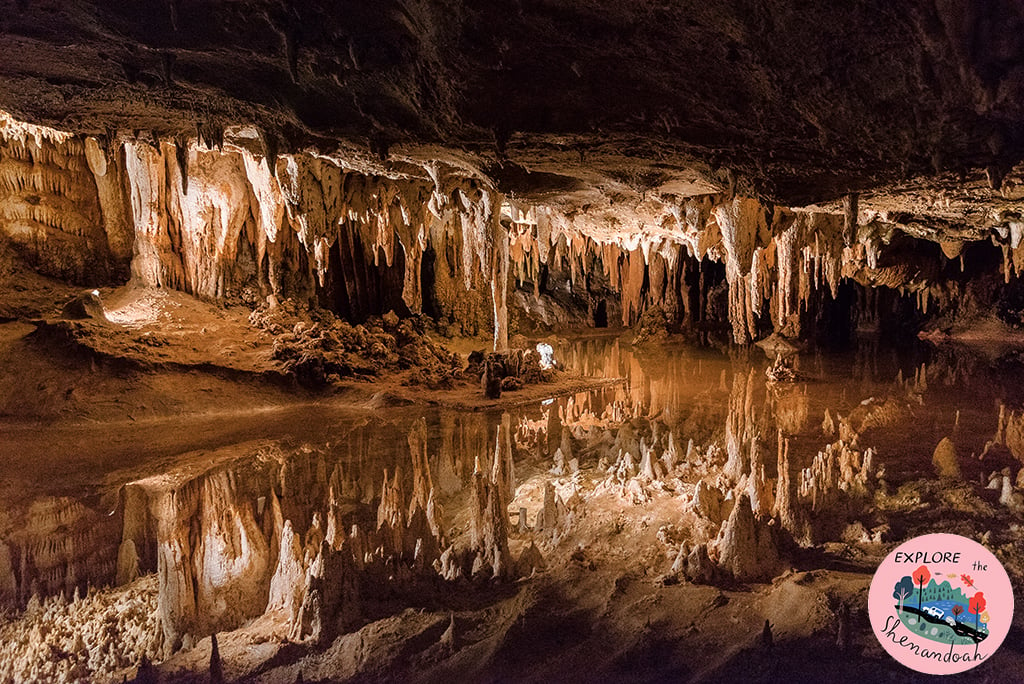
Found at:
<point>55,211</point>
<point>238,222</point>
<point>227,224</point>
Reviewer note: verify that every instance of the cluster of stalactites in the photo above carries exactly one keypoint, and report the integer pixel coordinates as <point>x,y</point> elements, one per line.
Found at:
<point>194,206</point>
<point>213,215</point>
<point>634,265</point>
<point>207,220</point>
<point>771,255</point>
<point>1009,236</point>
<point>11,129</point>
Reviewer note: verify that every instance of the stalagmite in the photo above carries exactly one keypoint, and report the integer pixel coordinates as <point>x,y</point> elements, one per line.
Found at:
<point>946,461</point>
<point>145,172</point>
<point>288,586</point>
<point>786,508</point>
<point>647,462</point>
<point>671,457</point>
<point>747,549</point>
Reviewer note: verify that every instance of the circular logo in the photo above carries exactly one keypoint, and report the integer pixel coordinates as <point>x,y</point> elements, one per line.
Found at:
<point>940,603</point>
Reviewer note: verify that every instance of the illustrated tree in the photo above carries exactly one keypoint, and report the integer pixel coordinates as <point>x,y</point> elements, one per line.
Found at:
<point>957,611</point>
<point>921,575</point>
<point>904,588</point>
<point>976,605</point>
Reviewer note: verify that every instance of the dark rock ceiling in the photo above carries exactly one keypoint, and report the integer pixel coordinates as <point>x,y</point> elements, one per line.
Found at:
<point>795,101</point>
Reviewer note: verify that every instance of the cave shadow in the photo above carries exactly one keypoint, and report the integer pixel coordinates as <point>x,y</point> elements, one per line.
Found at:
<point>816,659</point>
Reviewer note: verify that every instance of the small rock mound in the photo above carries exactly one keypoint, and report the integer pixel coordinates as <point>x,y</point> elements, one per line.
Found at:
<point>85,305</point>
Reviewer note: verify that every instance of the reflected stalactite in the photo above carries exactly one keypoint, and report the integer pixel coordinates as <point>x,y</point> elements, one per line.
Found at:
<point>789,514</point>
<point>745,465</point>
<point>173,511</point>
<point>740,426</point>
<point>60,547</point>
<point>231,561</point>
<point>291,530</point>
<point>790,406</point>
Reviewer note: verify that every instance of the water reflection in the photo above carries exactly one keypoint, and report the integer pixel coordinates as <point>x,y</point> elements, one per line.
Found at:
<point>317,517</point>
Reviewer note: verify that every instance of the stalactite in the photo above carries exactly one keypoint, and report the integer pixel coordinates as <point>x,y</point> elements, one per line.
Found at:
<point>850,204</point>
<point>499,284</point>
<point>55,203</point>
<point>743,225</point>
<point>145,173</point>
<point>503,472</point>
<point>740,425</point>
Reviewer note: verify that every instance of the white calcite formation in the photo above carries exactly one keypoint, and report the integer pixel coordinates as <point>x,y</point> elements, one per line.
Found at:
<point>747,548</point>
<point>84,638</point>
<point>233,219</point>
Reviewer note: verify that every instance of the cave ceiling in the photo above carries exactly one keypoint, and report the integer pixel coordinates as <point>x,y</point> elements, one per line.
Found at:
<point>915,106</point>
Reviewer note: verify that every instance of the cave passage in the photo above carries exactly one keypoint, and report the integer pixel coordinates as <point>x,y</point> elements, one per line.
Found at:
<point>578,341</point>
